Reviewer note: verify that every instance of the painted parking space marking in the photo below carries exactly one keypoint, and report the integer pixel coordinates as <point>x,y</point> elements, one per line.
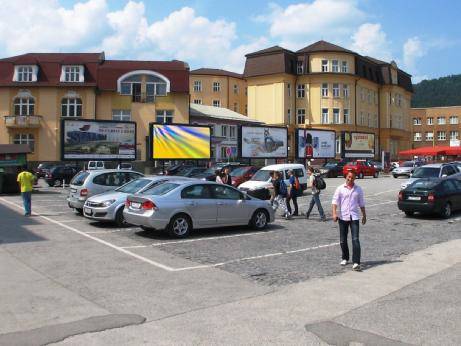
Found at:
<point>113,231</point>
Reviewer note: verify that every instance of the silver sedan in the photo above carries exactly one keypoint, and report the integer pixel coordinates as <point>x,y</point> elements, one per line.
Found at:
<point>178,206</point>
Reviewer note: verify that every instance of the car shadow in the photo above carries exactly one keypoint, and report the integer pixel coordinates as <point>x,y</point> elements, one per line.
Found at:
<point>428,217</point>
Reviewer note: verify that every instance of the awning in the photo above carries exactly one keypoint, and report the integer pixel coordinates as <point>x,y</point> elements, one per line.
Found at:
<point>432,151</point>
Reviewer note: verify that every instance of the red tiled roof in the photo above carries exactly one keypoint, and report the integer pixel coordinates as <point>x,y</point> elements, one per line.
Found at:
<point>324,46</point>
<point>216,72</point>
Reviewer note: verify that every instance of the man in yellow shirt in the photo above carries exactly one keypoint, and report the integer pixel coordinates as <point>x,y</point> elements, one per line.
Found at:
<point>26,181</point>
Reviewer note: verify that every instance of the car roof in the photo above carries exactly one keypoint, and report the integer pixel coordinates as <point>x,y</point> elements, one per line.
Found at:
<point>97,171</point>
<point>282,166</point>
<point>436,165</point>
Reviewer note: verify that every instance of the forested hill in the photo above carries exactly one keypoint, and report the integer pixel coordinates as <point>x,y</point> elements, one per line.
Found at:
<point>444,91</point>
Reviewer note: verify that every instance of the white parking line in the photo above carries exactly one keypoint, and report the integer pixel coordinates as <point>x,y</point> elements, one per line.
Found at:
<point>374,205</point>
<point>113,231</point>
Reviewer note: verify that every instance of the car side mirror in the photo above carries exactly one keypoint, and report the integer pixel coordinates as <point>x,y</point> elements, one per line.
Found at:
<point>444,175</point>
<point>411,174</point>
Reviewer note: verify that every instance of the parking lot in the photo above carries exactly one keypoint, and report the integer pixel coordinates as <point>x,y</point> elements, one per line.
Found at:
<point>288,251</point>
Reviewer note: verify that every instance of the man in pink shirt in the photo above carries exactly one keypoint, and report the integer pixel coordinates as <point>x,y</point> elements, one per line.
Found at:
<point>349,198</point>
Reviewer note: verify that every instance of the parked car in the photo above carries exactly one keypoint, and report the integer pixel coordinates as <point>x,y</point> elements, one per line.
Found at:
<point>332,169</point>
<point>457,164</point>
<point>434,170</point>
<point>96,165</point>
<point>190,171</point>
<point>242,174</point>
<point>108,206</point>
<point>58,174</point>
<point>406,168</point>
<point>362,168</point>
<point>125,165</point>
<point>89,183</point>
<point>378,165</point>
<point>44,168</point>
<point>258,185</point>
<point>180,206</point>
<point>439,196</point>
<point>210,173</point>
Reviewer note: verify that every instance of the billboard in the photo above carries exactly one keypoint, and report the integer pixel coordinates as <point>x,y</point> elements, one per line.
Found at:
<point>83,139</point>
<point>180,142</point>
<point>357,144</point>
<point>312,144</point>
<point>263,142</point>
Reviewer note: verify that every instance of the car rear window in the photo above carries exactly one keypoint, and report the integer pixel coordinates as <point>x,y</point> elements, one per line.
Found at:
<point>160,189</point>
<point>80,178</point>
<point>424,184</point>
<point>134,186</point>
<point>407,164</point>
<point>426,172</point>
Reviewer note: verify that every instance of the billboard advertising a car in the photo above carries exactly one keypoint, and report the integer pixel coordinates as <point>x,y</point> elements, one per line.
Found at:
<point>263,142</point>
<point>358,144</point>
<point>180,142</point>
<point>312,143</point>
<point>98,139</point>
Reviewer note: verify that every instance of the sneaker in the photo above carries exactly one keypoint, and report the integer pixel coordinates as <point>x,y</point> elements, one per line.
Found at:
<point>343,262</point>
<point>323,219</point>
<point>295,214</point>
<point>286,216</point>
<point>356,267</point>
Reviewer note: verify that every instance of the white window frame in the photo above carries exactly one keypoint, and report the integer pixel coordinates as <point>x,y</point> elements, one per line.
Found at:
<point>441,135</point>
<point>417,122</point>
<point>325,116</point>
<point>325,89</point>
<point>429,136</point>
<point>236,89</point>
<point>454,135</point>
<point>335,89</point>
<point>216,86</point>
<point>300,91</point>
<point>347,119</point>
<point>197,85</point>
<point>344,67</point>
<point>232,131</point>
<point>216,103</point>
<point>166,116</point>
<point>198,101</point>
<point>28,102</point>
<point>454,120</point>
<point>25,138</point>
<point>417,137</point>
<point>430,121</point>
<point>324,65</point>
<point>121,114</point>
<point>335,66</point>
<point>346,90</point>
<point>300,67</point>
<point>25,73</point>
<point>338,144</point>
<point>74,103</point>
<point>224,130</point>
<point>72,74</point>
<point>336,116</point>
<point>441,121</point>
<point>301,116</point>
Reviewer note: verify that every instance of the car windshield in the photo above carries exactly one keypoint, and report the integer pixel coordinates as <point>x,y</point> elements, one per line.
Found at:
<point>239,171</point>
<point>79,179</point>
<point>407,164</point>
<point>426,172</point>
<point>330,164</point>
<point>134,186</point>
<point>160,189</point>
<point>261,175</point>
<point>423,184</point>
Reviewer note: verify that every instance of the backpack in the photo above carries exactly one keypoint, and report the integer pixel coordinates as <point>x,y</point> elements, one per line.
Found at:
<point>296,184</point>
<point>283,188</point>
<point>319,183</point>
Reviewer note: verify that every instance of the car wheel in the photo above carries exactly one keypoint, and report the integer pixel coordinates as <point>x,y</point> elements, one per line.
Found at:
<point>79,211</point>
<point>57,183</point>
<point>180,226</point>
<point>409,213</point>
<point>446,210</point>
<point>395,176</point>
<point>259,219</point>
<point>119,218</point>
<point>360,176</point>
<point>376,174</point>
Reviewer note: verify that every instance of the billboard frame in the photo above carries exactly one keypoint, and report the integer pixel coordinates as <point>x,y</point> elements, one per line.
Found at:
<point>99,121</point>
<point>240,139</point>
<point>343,145</point>
<point>312,158</point>
<point>150,151</point>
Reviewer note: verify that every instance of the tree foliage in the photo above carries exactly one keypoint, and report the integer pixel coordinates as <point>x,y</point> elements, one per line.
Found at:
<point>440,92</point>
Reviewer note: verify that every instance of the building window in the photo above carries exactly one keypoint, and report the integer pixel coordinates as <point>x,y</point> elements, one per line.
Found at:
<point>164,116</point>
<point>335,90</point>
<point>347,120</point>
<point>338,144</point>
<point>236,107</point>
<point>334,66</point>
<point>121,114</point>
<point>197,85</point>
<point>289,89</point>
<point>72,73</point>
<point>299,67</point>
<point>324,115</point>
<point>336,119</point>
<point>301,116</point>
<point>417,136</point>
<point>71,107</point>
<point>198,101</point>
<point>25,138</point>
<point>233,131</point>
<point>441,120</point>
<point>453,135</point>
<point>399,100</point>
<point>24,106</point>
<point>300,90</point>
<point>369,97</point>
<point>324,65</point>
<point>224,130</point>
<point>362,94</point>
<point>361,118</point>
<point>441,135</point>
<point>453,120</point>
<point>216,86</point>
<point>289,116</point>
<point>345,90</point>
<point>324,90</point>
<point>430,121</point>
<point>417,121</point>
<point>236,89</point>
<point>429,136</point>
<point>25,74</point>
<point>344,68</point>
<point>211,129</point>
<point>216,103</point>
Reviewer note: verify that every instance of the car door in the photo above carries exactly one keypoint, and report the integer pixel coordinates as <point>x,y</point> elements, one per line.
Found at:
<point>232,207</point>
<point>200,204</point>
<point>457,204</point>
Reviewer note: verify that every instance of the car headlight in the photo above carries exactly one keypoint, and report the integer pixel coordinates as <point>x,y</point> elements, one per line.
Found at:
<point>108,203</point>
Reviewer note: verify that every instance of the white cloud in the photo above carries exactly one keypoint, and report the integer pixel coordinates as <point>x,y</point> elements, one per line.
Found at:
<point>371,40</point>
<point>413,49</point>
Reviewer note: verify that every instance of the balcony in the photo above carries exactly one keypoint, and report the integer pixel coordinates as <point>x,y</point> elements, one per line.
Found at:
<point>22,121</point>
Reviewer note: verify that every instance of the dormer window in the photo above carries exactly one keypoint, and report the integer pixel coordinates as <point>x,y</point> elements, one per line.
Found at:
<point>143,85</point>
<point>25,73</point>
<point>72,74</point>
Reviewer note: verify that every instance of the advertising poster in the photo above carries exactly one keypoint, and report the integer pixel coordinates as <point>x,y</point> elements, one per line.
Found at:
<point>98,140</point>
<point>263,142</point>
<point>181,142</point>
<point>315,143</point>
<point>358,144</point>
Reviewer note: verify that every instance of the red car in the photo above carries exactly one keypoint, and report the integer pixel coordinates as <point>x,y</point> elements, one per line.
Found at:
<point>242,174</point>
<point>362,168</point>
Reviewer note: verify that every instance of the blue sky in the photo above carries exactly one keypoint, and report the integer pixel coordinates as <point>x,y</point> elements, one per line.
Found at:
<point>423,37</point>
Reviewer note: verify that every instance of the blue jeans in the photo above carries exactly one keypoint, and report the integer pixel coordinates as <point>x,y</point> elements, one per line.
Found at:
<point>315,200</point>
<point>343,231</point>
<point>27,201</point>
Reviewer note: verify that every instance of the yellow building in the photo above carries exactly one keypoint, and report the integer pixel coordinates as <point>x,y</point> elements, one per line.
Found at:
<point>218,88</point>
<point>325,86</point>
<point>38,90</point>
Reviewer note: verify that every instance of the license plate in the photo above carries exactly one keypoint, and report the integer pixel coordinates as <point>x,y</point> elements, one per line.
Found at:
<point>73,190</point>
<point>88,211</point>
<point>135,205</point>
<point>414,198</point>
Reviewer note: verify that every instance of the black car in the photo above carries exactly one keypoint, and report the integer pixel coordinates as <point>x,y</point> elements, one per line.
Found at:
<point>190,171</point>
<point>432,196</point>
<point>59,173</point>
<point>174,169</point>
<point>210,173</point>
<point>332,169</point>
<point>43,168</point>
